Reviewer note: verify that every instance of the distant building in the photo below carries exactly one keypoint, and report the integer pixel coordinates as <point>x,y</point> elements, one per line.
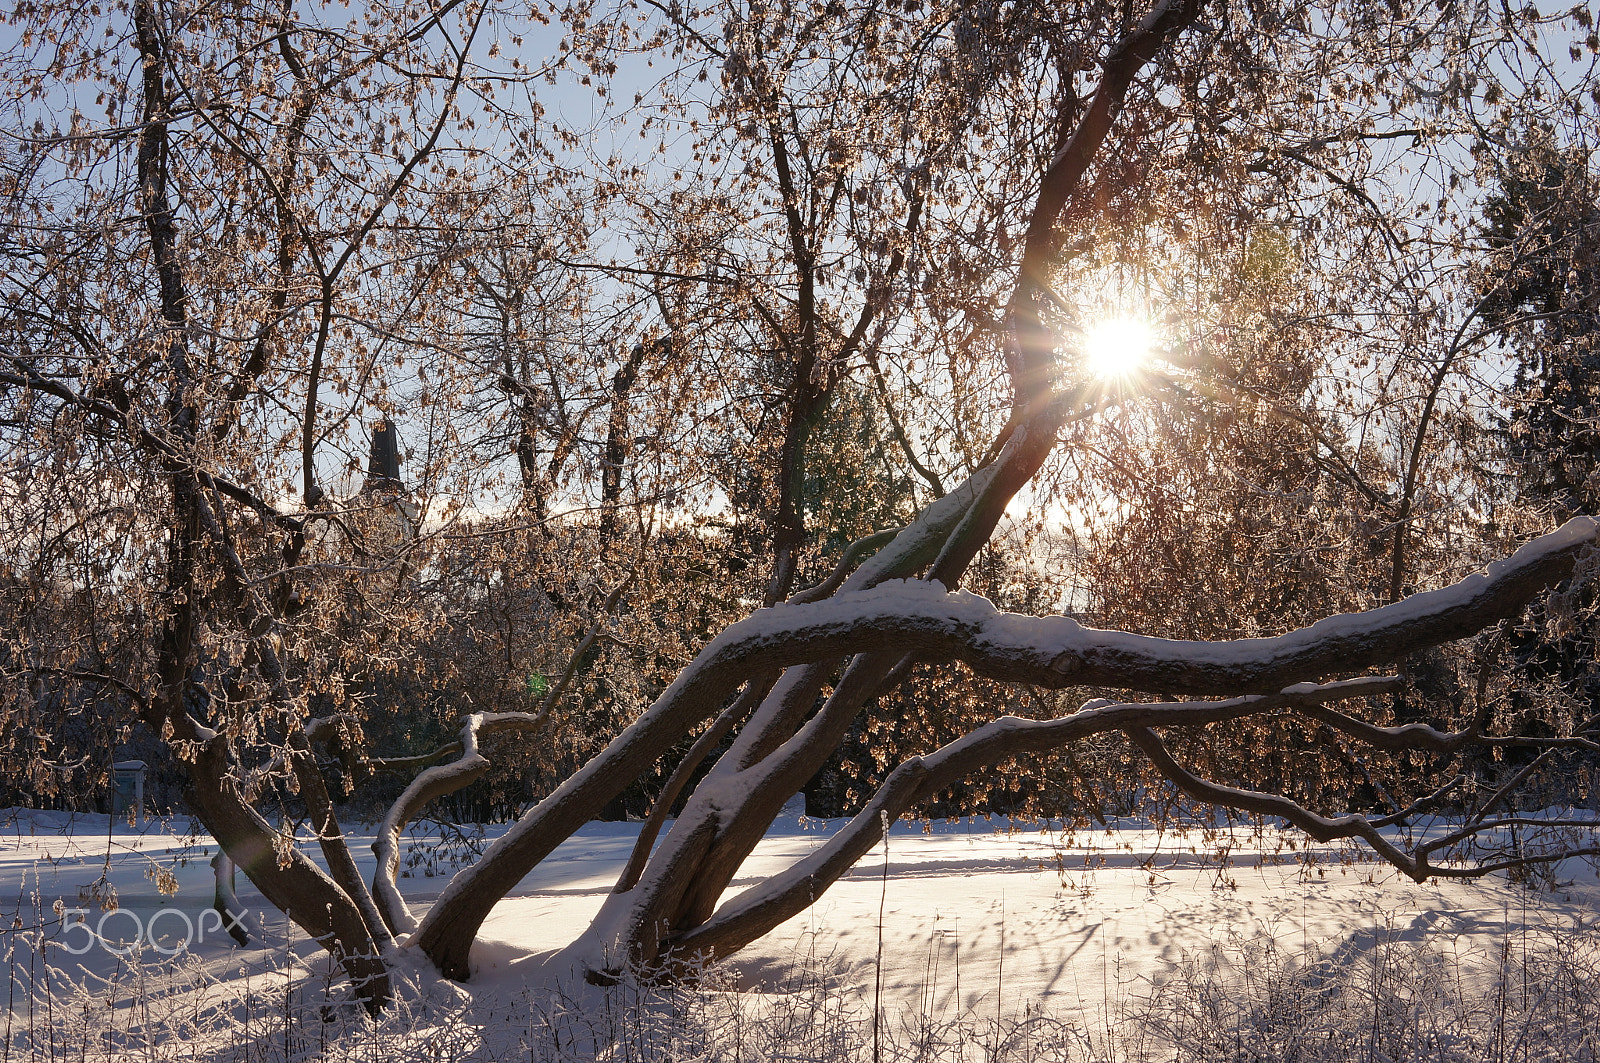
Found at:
<point>383,461</point>
<point>383,481</point>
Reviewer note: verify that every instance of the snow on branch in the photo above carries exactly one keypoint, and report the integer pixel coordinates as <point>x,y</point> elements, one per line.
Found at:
<point>435,782</point>
<point>913,616</point>
<point>915,781</point>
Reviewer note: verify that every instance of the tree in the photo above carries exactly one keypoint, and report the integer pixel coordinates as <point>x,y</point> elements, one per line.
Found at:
<point>666,909</point>
<point>1539,282</point>
<point>884,201</point>
<point>203,288</point>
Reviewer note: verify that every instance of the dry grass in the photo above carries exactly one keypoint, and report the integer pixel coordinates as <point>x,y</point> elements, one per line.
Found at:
<point>1380,995</point>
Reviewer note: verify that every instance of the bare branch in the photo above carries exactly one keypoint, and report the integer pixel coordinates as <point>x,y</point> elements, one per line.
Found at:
<point>559,688</point>
<point>1321,828</point>
<point>157,445</point>
<point>852,554</point>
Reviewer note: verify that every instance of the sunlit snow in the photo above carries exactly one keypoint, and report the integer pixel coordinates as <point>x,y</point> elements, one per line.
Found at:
<point>984,917</point>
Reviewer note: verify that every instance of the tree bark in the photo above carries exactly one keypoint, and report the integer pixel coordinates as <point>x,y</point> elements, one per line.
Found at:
<point>284,876</point>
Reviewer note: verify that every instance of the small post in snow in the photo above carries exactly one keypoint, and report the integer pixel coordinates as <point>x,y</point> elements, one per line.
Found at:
<point>127,789</point>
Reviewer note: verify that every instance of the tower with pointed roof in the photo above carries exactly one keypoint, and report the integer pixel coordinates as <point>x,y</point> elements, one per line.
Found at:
<point>383,461</point>
<point>383,476</point>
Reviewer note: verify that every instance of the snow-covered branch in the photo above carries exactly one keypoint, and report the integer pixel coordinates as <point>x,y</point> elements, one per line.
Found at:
<point>915,781</point>
<point>912,616</point>
<point>435,782</point>
<point>754,692</point>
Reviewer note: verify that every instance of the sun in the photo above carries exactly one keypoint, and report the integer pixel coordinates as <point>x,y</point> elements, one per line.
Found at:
<point>1118,347</point>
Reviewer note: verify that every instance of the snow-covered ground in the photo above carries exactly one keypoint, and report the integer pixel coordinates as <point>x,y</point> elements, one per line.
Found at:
<point>982,918</point>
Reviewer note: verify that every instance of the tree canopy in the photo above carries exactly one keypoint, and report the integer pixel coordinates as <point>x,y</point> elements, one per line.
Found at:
<point>738,364</point>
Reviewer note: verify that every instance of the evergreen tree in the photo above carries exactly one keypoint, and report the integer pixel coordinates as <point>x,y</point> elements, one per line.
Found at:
<point>1542,228</point>
<point>1542,287</point>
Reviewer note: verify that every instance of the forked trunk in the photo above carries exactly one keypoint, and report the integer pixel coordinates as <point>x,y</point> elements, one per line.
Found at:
<point>774,754</point>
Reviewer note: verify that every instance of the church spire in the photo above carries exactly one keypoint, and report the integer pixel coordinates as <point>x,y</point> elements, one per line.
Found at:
<point>383,463</point>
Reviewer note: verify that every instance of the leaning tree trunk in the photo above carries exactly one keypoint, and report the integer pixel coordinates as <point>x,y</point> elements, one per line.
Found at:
<point>285,876</point>
<point>774,755</point>
<point>732,808</point>
<point>868,627</point>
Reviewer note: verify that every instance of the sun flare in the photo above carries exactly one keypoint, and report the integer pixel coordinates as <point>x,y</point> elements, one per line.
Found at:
<point>1118,347</point>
